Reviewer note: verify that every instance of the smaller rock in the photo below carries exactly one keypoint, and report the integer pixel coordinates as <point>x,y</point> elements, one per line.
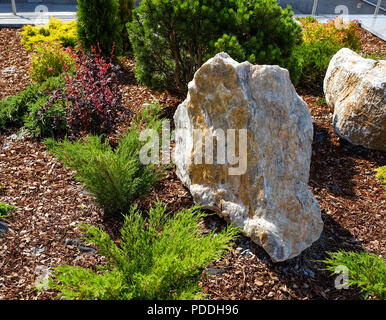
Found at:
<point>76,242</point>
<point>334,188</point>
<point>70,242</point>
<point>247,253</point>
<point>355,87</point>
<point>214,271</point>
<point>3,228</point>
<point>9,70</point>
<point>85,249</point>
<point>10,139</point>
<point>37,252</point>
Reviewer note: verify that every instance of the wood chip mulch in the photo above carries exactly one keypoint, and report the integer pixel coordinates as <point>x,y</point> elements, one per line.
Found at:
<point>12,55</point>
<point>371,43</point>
<point>51,203</point>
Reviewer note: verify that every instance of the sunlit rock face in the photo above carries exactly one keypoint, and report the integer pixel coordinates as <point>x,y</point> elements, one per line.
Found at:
<point>262,185</point>
<point>356,88</point>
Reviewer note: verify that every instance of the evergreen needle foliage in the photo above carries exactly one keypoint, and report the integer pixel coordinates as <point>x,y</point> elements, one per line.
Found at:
<point>366,270</point>
<point>114,176</point>
<point>24,107</point>
<point>160,257</point>
<point>13,108</point>
<point>99,22</point>
<point>171,39</point>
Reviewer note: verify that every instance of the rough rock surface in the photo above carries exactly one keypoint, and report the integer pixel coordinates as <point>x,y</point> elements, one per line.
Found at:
<point>271,201</point>
<point>356,88</point>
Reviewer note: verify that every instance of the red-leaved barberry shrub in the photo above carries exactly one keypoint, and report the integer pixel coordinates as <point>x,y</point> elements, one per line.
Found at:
<point>94,94</point>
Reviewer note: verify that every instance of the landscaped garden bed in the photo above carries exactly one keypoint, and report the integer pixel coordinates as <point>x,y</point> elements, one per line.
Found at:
<point>50,202</point>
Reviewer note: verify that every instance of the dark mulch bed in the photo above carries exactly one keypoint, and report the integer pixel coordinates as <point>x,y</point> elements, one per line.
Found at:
<point>51,203</point>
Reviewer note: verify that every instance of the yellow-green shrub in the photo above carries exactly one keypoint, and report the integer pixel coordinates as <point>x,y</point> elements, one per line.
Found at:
<point>320,43</point>
<point>381,176</point>
<point>56,30</point>
<point>337,32</point>
<point>51,59</point>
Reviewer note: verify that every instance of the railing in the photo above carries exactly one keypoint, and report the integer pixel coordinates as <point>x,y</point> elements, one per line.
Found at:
<point>314,7</point>
<point>377,6</point>
<point>13,7</point>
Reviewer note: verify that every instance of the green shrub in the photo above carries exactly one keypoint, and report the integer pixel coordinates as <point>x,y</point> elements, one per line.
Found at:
<point>17,110</point>
<point>53,83</point>
<point>99,23</point>
<point>172,39</point>
<point>320,43</point>
<point>308,19</point>
<point>366,270</point>
<point>158,258</point>
<point>63,32</point>
<point>51,59</point>
<point>314,59</point>
<point>125,13</point>
<point>12,109</point>
<point>375,56</point>
<point>321,101</point>
<point>115,177</point>
<point>46,120</point>
<point>381,176</point>
<point>5,210</point>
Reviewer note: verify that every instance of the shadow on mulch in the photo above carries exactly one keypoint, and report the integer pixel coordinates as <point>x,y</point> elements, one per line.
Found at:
<point>333,166</point>
<point>335,171</point>
<point>307,269</point>
<point>301,276</point>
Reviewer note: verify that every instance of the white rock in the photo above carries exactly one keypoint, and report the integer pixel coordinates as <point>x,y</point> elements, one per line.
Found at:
<point>270,199</point>
<point>9,70</point>
<point>356,88</point>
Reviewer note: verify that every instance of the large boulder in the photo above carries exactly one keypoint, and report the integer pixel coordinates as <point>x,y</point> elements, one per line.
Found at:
<point>356,88</point>
<point>266,192</point>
